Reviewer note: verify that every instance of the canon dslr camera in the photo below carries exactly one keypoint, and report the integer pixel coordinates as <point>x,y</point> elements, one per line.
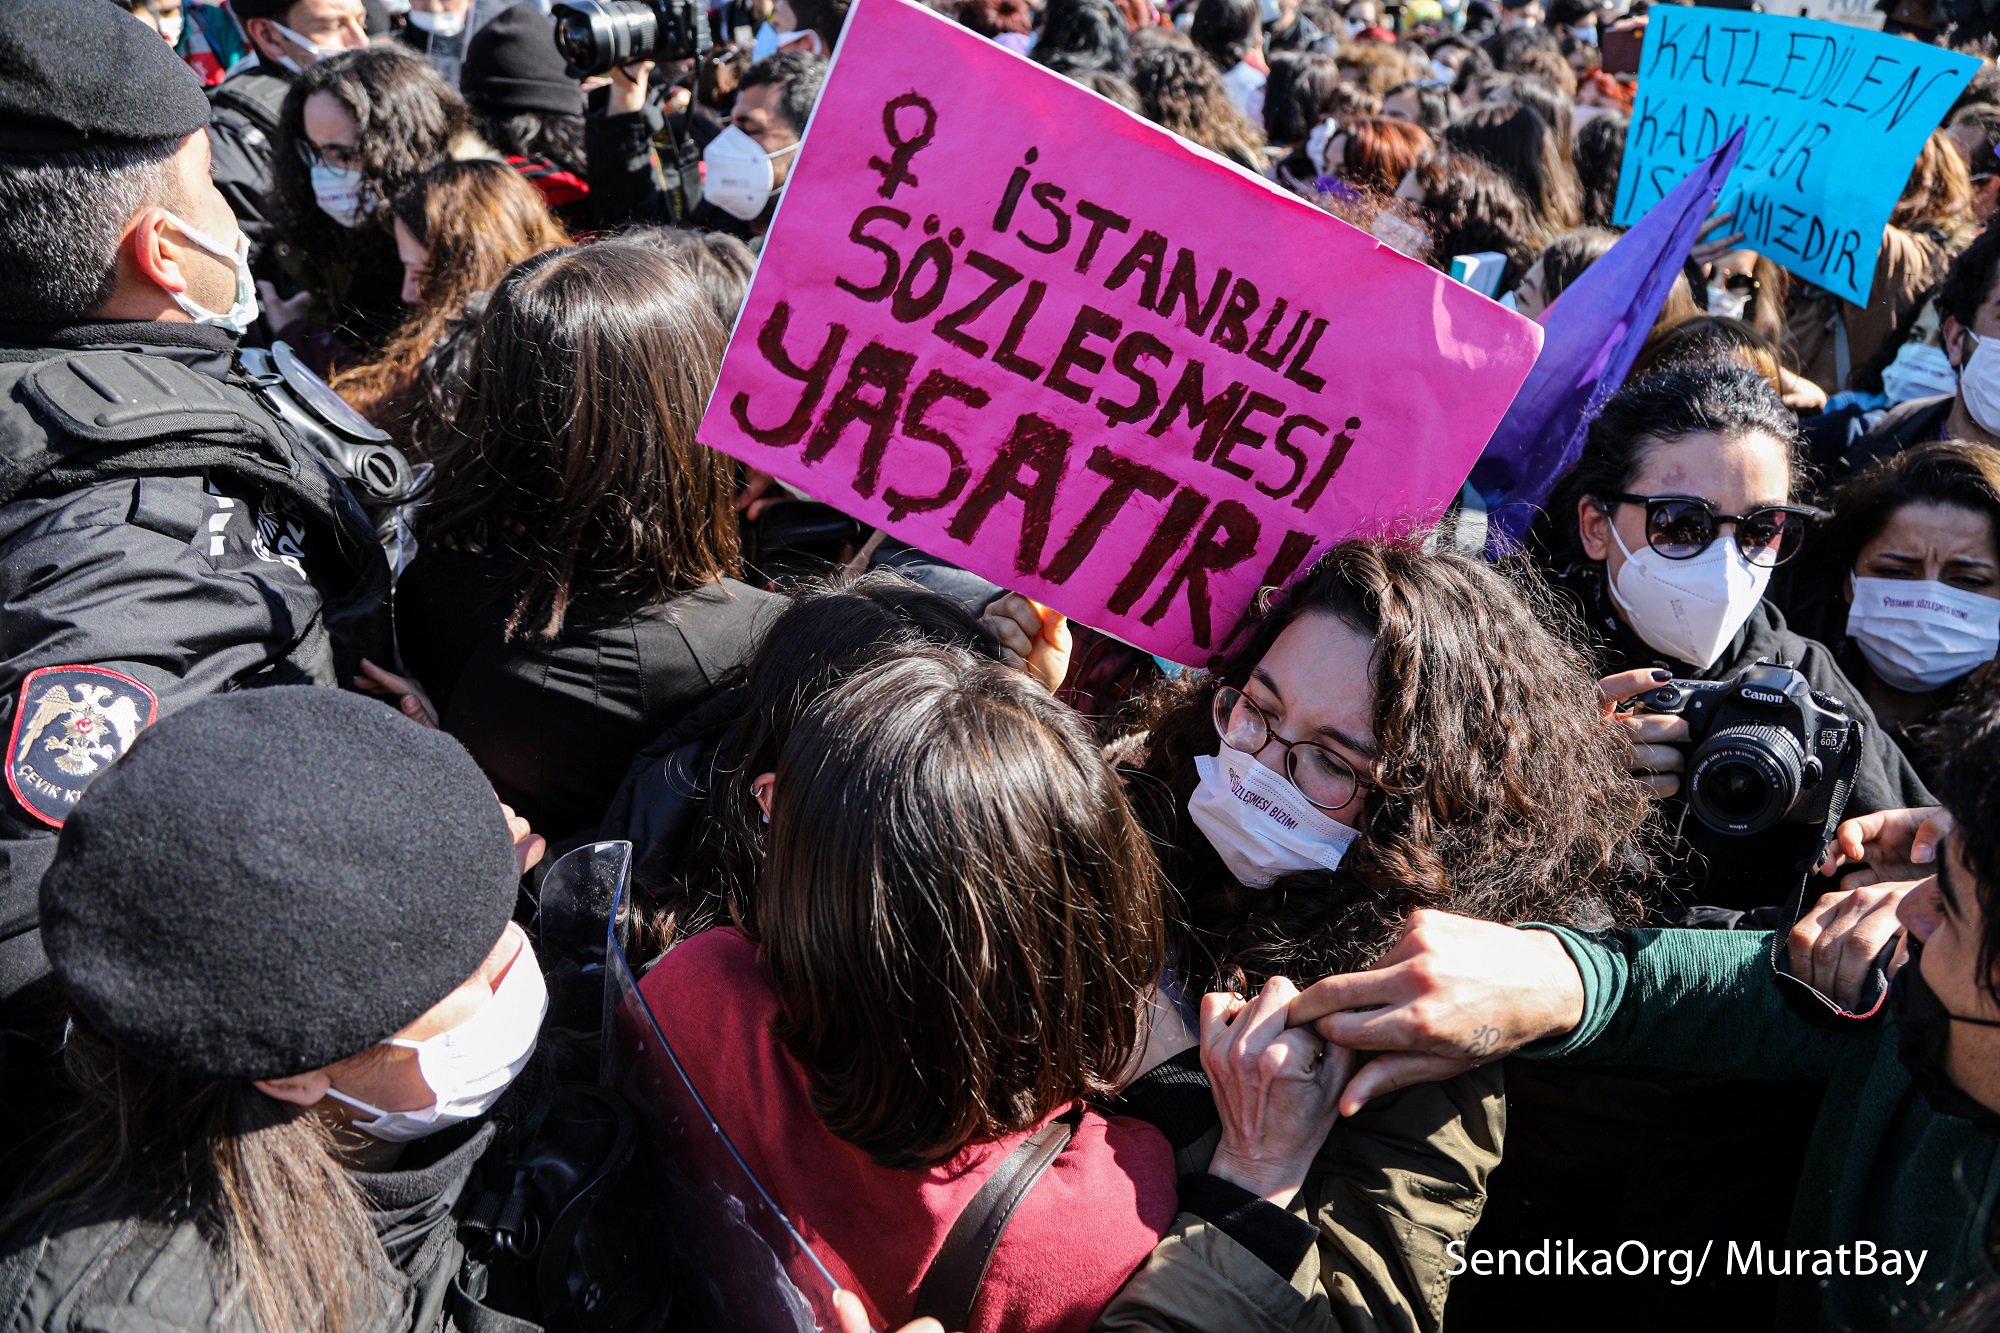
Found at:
<point>1765,748</point>
<point>597,36</point>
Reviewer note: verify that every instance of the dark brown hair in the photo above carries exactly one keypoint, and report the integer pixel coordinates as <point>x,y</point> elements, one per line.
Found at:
<point>573,452</point>
<point>1503,792</point>
<point>958,913</point>
<point>1471,207</point>
<point>1518,143</point>
<point>830,631</point>
<point>1181,90</point>
<point>407,120</point>
<point>1946,472</point>
<point>1708,340</point>
<point>477,220</point>
<point>259,1177</point>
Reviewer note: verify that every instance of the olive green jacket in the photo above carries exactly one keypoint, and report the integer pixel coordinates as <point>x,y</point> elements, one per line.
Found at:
<point>1391,1187</point>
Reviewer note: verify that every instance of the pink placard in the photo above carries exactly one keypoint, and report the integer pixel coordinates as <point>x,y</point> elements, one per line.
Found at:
<point>1041,338</point>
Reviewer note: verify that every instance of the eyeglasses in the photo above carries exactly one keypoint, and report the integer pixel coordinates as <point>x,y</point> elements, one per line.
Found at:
<point>339,156</point>
<point>1322,776</point>
<point>1741,284</point>
<point>1681,527</point>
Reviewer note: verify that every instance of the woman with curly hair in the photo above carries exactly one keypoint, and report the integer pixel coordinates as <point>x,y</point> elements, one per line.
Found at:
<point>356,131</point>
<point>1181,90</point>
<point>1469,207</point>
<point>1424,733</point>
<point>458,230</point>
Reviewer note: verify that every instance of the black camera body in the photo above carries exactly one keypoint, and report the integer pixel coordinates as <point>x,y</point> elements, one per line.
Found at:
<point>1764,748</point>
<point>597,36</point>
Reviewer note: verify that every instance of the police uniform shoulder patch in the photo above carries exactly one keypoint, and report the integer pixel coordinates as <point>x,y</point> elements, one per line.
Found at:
<point>70,724</point>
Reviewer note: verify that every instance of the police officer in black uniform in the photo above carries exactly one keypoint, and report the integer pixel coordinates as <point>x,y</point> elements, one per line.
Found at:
<point>163,536</point>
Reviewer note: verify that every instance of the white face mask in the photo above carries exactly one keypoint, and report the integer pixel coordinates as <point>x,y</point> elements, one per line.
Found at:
<point>438,22</point>
<point>172,28</point>
<point>1587,34</point>
<point>1318,140</point>
<point>311,48</point>
<point>339,194</point>
<point>469,1066</point>
<point>739,176</point>
<point>770,41</point>
<point>1260,824</point>
<point>1979,382</point>
<point>1917,635</point>
<point>242,313</point>
<point>1722,301</point>
<point>1919,371</point>
<point>1688,609</point>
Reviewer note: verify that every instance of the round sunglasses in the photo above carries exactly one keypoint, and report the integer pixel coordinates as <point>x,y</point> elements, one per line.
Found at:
<point>1681,527</point>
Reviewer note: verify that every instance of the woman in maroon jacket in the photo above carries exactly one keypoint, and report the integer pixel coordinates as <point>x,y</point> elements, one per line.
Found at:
<point>959,925</point>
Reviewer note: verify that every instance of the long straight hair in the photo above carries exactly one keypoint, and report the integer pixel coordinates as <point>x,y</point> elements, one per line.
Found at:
<point>258,1177</point>
<point>573,453</point>
<point>958,913</point>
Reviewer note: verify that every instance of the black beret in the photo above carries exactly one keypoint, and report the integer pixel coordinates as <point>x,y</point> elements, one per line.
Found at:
<point>274,880</point>
<point>512,64</point>
<point>84,73</point>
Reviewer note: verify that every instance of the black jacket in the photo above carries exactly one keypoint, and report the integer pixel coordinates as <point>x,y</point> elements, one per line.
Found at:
<point>625,189</point>
<point>1719,870</point>
<point>161,557</point>
<point>72,1273</point>
<point>1904,426</point>
<point>242,144</point>
<point>555,725</point>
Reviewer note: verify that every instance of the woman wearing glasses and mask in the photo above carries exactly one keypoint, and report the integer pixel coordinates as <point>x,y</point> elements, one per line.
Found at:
<point>357,129</point>
<point>1400,730</point>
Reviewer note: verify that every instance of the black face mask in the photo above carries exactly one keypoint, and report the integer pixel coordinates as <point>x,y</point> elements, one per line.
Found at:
<point>1924,1028</point>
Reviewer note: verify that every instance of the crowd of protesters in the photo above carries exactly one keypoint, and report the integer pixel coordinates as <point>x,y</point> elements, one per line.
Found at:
<point>956,915</point>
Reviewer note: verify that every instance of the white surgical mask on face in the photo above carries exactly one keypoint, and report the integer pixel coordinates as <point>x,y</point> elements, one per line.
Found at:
<point>469,1066</point>
<point>770,41</point>
<point>1919,371</point>
<point>438,22</point>
<point>242,312</point>
<point>339,194</point>
<point>1722,301</point>
<point>1260,824</point>
<point>1979,382</point>
<point>1586,34</point>
<point>314,49</point>
<point>1688,609</point>
<point>739,177</point>
<point>171,29</point>
<point>1917,634</point>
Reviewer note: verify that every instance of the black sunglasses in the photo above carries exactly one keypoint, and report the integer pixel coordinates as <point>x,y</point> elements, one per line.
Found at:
<point>1742,284</point>
<point>1681,527</point>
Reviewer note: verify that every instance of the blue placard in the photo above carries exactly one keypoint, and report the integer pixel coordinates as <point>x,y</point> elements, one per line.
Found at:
<point>1834,117</point>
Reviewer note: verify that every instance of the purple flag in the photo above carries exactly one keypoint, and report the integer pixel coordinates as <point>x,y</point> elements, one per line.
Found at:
<point>1593,334</point>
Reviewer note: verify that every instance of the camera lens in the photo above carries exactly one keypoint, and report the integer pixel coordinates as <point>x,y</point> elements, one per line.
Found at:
<point>1746,777</point>
<point>598,35</point>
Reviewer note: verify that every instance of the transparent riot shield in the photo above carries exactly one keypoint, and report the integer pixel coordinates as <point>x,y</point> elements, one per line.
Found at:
<point>738,1261</point>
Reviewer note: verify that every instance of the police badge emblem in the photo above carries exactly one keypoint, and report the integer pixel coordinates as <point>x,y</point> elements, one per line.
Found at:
<point>70,724</point>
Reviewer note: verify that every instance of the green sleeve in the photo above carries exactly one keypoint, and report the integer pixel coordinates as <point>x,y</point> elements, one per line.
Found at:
<point>1702,1001</point>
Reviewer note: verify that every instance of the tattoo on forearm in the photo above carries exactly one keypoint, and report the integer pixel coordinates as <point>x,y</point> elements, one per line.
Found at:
<point>1483,1042</point>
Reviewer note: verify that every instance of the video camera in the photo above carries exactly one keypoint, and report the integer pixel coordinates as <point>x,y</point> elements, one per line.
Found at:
<point>1766,748</point>
<point>597,36</point>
